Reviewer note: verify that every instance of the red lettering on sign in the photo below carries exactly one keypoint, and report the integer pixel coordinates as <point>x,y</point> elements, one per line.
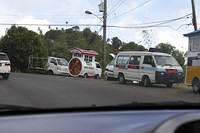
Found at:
<point>133,67</point>
<point>169,71</point>
<point>120,66</point>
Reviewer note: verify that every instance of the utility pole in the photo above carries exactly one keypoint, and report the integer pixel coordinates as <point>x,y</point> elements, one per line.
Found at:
<point>194,20</point>
<point>104,35</point>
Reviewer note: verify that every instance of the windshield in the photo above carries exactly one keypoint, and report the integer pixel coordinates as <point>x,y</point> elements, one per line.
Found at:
<point>62,62</point>
<point>166,60</point>
<point>3,57</point>
<point>91,53</point>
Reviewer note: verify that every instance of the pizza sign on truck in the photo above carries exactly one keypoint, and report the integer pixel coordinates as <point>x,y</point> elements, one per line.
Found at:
<point>83,63</point>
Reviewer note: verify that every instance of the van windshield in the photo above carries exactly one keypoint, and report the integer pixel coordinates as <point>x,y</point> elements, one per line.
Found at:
<point>62,62</point>
<point>166,60</point>
<point>3,57</point>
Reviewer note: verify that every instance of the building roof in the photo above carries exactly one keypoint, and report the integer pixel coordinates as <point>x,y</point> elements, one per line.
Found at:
<point>82,51</point>
<point>192,33</point>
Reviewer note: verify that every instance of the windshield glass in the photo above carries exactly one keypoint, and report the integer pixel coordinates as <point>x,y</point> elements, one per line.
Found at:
<point>3,57</point>
<point>166,60</point>
<point>62,62</point>
<point>78,53</point>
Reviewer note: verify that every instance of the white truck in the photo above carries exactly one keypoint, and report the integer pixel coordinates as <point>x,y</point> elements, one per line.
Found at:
<point>83,63</point>
<point>50,65</point>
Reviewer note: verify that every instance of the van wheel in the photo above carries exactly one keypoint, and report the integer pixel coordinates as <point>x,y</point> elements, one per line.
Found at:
<point>121,79</point>
<point>169,85</point>
<point>146,81</point>
<point>196,86</point>
<point>97,76</point>
<point>50,72</point>
<point>106,77</point>
<point>5,76</point>
<point>85,75</point>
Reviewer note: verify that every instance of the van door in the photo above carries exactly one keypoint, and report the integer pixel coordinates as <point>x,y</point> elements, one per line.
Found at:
<point>148,68</point>
<point>134,68</point>
<point>122,65</point>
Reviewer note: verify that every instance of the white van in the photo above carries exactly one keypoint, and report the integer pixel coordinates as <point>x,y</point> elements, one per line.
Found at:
<point>4,65</point>
<point>58,66</point>
<point>50,65</point>
<point>147,68</point>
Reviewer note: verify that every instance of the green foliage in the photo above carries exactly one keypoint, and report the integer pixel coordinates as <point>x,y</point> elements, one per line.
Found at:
<point>116,42</point>
<point>168,48</point>
<point>19,43</point>
<point>132,46</point>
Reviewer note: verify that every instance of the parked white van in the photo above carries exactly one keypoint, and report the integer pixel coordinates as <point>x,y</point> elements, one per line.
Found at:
<point>50,65</point>
<point>147,68</point>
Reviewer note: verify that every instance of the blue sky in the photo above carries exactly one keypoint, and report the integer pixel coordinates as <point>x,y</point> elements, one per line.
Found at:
<point>60,11</point>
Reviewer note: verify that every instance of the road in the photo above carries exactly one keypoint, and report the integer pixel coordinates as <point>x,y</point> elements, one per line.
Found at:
<point>58,91</point>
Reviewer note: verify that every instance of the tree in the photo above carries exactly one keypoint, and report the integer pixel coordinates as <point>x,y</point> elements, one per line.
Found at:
<point>19,43</point>
<point>116,42</point>
<point>168,48</point>
<point>132,46</point>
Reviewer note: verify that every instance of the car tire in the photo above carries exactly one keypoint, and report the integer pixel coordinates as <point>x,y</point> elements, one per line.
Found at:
<point>121,79</point>
<point>85,75</point>
<point>97,76</point>
<point>146,81</point>
<point>6,76</point>
<point>106,77</point>
<point>196,86</point>
<point>50,72</point>
<point>169,85</point>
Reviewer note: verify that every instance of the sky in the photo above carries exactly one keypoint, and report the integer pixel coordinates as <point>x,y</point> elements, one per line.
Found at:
<point>120,13</point>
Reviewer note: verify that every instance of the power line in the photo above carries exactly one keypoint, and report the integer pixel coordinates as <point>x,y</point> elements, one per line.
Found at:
<point>166,21</point>
<point>117,7</point>
<point>114,5</point>
<point>140,5</point>
<point>136,26</point>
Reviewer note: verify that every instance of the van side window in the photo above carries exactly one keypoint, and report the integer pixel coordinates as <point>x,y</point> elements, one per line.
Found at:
<point>135,60</point>
<point>122,59</point>
<point>149,60</point>
<point>53,60</point>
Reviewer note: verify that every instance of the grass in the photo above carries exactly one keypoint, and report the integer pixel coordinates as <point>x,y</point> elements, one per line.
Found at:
<point>182,85</point>
<point>179,85</point>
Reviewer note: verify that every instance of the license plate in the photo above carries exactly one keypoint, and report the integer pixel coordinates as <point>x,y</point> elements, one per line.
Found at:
<point>171,80</point>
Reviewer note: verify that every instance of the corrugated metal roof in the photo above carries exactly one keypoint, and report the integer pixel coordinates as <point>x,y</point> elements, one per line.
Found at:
<point>87,52</point>
<point>192,33</point>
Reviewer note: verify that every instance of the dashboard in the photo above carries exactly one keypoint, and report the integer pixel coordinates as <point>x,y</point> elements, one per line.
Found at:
<point>158,121</point>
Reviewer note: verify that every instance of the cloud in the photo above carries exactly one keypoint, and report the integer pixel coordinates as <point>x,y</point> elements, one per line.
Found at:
<point>32,20</point>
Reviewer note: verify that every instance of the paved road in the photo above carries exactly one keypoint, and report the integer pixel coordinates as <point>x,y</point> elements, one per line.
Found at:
<point>59,91</point>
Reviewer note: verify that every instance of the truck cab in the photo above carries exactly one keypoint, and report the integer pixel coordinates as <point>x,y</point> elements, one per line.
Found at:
<point>57,66</point>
